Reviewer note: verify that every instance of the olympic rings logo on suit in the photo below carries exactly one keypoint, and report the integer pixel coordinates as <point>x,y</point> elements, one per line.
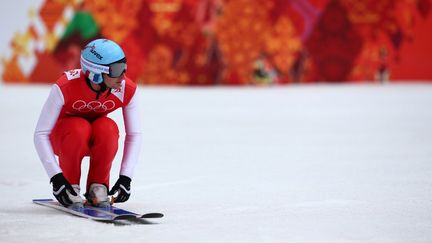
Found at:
<point>96,106</point>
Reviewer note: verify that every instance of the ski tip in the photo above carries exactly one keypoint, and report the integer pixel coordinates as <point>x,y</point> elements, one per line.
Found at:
<point>42,200</point>
<point>125,216</point>
<point>151,215</point>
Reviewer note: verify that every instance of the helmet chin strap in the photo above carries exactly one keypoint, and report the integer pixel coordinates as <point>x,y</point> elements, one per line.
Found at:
<point>102,87</point>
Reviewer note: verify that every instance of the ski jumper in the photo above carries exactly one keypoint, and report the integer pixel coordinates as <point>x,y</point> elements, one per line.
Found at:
<point>74,124</point>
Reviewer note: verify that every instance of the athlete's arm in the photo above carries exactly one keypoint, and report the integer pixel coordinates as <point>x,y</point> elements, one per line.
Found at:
<point>132,143</point>
<point>47,120</point>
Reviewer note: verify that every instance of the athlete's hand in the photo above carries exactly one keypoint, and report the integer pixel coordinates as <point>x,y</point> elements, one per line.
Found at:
<point>60,188</point>
<point>122,187</point>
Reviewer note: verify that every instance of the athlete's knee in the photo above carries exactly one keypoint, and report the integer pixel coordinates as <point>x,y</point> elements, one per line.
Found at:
<point>75,128</point>
<point>79,125</point>
<point>105,127</point>
<point>74,136</point>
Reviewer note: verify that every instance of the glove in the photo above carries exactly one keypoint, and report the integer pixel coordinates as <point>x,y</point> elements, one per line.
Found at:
<point>122,187</point>
<point>60,188</point>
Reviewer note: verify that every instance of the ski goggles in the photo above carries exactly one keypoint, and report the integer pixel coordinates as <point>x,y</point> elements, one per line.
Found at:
<point>117,69</point>
<point>114,70</point>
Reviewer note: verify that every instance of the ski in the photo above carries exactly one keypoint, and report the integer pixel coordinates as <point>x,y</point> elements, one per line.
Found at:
<point>84,212</point>
<point>108,214</point>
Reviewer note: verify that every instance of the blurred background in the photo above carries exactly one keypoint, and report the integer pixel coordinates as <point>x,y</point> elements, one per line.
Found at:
<point>224,42</point>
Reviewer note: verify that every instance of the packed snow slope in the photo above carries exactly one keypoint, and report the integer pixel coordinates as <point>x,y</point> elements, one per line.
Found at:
<point>312,164</point>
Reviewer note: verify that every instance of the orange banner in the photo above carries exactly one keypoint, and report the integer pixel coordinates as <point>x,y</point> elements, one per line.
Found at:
<point>234,42</point>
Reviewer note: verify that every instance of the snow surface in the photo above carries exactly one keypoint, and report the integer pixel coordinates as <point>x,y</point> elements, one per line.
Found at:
<point>346,163</point>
